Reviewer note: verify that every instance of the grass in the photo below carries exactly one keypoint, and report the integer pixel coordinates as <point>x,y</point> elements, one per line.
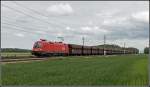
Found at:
<point>83,70</point>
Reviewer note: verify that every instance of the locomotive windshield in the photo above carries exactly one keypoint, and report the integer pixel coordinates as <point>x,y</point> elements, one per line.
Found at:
<point>37,45</point>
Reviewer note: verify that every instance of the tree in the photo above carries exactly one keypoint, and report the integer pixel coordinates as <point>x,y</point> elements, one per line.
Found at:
<point>146,50</point>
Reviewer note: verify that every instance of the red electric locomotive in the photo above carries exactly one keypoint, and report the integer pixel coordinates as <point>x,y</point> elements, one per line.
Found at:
<point>45,48</point>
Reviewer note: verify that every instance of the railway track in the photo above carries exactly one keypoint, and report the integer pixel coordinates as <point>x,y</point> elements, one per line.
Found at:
<point>28,59</point>
<point>22,59</point>
<point>32,58</point>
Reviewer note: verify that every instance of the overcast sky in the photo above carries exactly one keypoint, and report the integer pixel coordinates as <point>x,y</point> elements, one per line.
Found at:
<point>24,22</point>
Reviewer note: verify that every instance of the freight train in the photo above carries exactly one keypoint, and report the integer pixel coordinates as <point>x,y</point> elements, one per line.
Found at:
<point>48,48</point>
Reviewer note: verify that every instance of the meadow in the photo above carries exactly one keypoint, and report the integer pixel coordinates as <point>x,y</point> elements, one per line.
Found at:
<point>79,70</point>
<point>15,54</point>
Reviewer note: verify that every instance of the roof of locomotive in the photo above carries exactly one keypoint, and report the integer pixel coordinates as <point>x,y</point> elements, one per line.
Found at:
<point>50,42</point>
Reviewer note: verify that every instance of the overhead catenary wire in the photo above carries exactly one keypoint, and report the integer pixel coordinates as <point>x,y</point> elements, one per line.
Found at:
<point>19,28</point>
<point>37,12</point>
<point>12,28</point>
<point>26,31</point>
<point>24,27</point>
<point>15,29</point>
<point>22,13</point>
<point>43,29</point>
<point>33,39</point>
<point>31,16</point>
<point>12,20</point>
<point>30,9</point>
<point>34,11</point>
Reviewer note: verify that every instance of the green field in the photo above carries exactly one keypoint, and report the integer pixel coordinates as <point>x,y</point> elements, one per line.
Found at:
<point>83,70</point>
<point>15,54</point>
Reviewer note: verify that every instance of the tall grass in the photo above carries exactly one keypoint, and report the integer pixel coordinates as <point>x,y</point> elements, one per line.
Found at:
<point>84,70</point>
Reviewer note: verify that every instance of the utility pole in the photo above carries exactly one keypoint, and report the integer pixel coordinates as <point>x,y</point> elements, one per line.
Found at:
<point>124,47</point>
<point>83,40</point>
<point>104,44</point>
<point>149,63</point>
<point>83,45</point>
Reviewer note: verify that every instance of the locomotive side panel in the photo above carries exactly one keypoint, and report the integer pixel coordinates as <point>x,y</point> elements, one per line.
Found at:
<point>55,48</point>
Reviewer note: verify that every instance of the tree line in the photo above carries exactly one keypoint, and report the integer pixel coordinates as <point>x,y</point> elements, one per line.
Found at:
<point>114,46</point>
<point>14,50</point>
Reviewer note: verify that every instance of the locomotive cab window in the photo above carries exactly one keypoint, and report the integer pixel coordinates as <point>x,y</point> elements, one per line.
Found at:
<point>37,45</point>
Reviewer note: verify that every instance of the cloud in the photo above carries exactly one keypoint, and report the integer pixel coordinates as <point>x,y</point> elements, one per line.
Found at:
<point>115,21</point>
<point>60,9</point>
<point>132,26</point>
<point>86,28</point>
<point>90,23</point>
<point>68,28</point>
<point>93,29</point>
<point>19,34</point>
<point>106,14</point>
<point>96,27</point>
<point>141,16</point>
<point>41,32</point>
